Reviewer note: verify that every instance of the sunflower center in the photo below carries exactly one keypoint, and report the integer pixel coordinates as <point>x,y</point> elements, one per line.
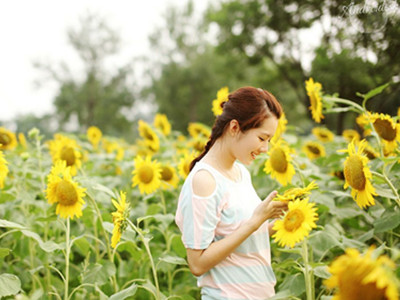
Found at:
<point>66,193</point>
<point>68,154</point>
<point>293,220</point>
<point>314,149</point>
<point>166,174</point>
<point>4,139</point>
<point>323,135</point>
<point>278,160</point>
<point>385,130</point>
<point>313,100</point>
<point>354,173</point>
<point>147,135</point>
<point>146,174</point>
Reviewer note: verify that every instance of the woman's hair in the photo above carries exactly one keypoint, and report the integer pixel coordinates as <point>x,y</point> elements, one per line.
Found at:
<point>249,106</point>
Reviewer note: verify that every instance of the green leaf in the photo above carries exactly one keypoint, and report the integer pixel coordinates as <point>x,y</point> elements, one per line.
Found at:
<point>281,295</point>
<point>5,197</point>
<point>387,222</point>
<point>322,241</point>
<point>83,245</point>
<point>176,260</point>
<point>177,246</point>
<point>8,224</point>
<point>104,189</point>
<point>385,193</point>
<point>322,272</point>
<point>9,285</point>
<point>373,92</point>
<point>4,252</point>
<point>98,273</point>
<point>149,286</point>
<point>130,291</point>
<point>48,246</point>
<point>294,283</point>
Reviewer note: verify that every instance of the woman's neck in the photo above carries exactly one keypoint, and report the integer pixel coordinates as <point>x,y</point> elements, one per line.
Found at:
<point>220,157</point>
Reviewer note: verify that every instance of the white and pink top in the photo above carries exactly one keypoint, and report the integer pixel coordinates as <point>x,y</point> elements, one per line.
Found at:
<point>246,273</point>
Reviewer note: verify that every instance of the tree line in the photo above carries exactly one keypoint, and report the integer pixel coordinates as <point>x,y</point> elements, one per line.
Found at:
<point>348,46</point>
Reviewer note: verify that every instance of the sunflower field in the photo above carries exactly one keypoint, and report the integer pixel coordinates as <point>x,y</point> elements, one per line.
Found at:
<point>92,217</point>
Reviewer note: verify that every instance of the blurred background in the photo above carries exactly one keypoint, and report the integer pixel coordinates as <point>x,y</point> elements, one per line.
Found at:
<point>67,66</point>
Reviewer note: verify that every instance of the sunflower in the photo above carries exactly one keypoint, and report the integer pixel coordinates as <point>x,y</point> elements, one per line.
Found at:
<point>296,223</point>
<point>184,164</point>
<point>362,121</point>
<point>22,140</point>
<point>61,189</point>
<point>161,122</point>
<point>387,129</point>
<point>143,148</point>
<point>66,149</point>
<point>370,152</point>
<point>297,193</point>
<point>362,277</point>
<point>278,163</point>
<point>3,169</point>
<point>197,143</point>
<point>282,122</point>
<point>147,174</point>
<point>94,135</point>
<point>119,218</point>
<point>222,96</point>
<point>169,177</point>
<point>313,150</point>
<point>314,93</point>
<point>350,134</point>
<point>8,140</point>
<point>195,129</point>
<point>113,146</point>
<point>358,175</point>
<point>150,137</point>
<point>323,134</point>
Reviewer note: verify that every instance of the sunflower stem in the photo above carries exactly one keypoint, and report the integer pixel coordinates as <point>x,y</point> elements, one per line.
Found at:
<point>146,245</point>
<point>163,202</point>
<point>344,101</point>
<point>308,272</point>
<point>68,249</point>
<point>109,253</point>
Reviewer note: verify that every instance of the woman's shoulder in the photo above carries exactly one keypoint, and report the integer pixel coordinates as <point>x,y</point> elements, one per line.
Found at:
<point>203,183</point>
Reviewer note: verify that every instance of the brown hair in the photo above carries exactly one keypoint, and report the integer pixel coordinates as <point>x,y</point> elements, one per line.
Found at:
<point>249,106</point>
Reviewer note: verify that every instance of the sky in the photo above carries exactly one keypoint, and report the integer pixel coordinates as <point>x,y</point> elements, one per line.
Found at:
<point>36,30</point>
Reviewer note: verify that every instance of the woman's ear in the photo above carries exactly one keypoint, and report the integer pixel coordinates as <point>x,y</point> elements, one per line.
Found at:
<point>234,127</point>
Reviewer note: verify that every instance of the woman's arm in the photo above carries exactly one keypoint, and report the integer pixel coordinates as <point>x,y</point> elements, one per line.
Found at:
<point>200,261</point>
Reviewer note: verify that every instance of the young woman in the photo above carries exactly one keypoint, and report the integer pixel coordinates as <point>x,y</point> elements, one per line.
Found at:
<point>224,223</point>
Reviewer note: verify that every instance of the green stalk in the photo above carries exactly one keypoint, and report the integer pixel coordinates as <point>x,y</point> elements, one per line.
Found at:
<point>308,273</point>
<point>108,246</point>
<point>344,101</point>
<point>68,249</point>
<point>163,202</point>
<point>146,245</point>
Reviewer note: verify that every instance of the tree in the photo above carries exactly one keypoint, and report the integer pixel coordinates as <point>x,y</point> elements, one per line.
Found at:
<point>273,31</point>
<point>188,71</point>
<point>99,98</point>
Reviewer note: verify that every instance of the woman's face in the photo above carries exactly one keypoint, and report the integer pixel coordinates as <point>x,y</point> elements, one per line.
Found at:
<point>254,141</point>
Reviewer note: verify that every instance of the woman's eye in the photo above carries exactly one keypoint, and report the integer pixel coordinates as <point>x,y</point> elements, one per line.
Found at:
<point>261,139</point>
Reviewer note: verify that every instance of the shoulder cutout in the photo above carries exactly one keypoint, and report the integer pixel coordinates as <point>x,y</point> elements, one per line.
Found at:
<point>204,183</point>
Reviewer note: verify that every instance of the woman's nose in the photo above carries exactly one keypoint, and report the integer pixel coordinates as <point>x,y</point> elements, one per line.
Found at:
<point>264,148</point>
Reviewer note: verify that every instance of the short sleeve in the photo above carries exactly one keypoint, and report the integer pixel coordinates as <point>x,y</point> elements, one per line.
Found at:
<point>197,217</point>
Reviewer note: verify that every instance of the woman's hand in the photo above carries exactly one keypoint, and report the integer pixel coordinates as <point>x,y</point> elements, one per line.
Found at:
<point>268,209</point>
